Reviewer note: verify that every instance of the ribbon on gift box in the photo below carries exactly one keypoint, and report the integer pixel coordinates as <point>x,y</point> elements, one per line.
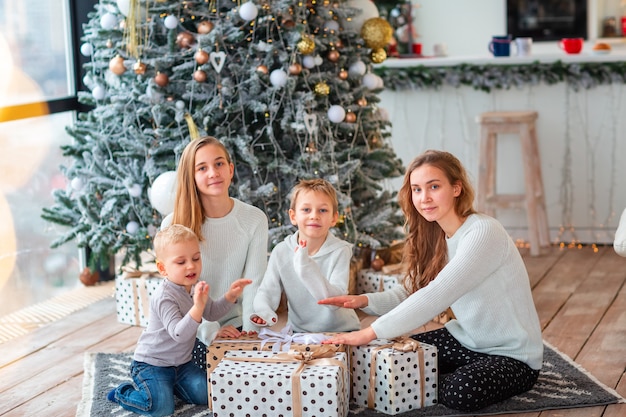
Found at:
<point>317,356</point>
<point>139,288</point>
<point>282,340</point>
<point>400,344</point>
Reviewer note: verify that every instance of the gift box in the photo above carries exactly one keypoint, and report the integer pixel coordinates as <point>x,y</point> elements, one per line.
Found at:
<point>394,376</point>
<point>267,340</point>
<point>133,289</point>
<point>300,384</point>
<point>369,280</point>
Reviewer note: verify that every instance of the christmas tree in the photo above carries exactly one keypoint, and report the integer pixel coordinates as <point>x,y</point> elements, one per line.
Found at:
<point>286,85</point>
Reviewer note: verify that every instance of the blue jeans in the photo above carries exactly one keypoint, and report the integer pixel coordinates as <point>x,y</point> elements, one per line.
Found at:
<point>154,388</point>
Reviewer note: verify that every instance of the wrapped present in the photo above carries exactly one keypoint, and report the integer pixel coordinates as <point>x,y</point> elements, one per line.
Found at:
<point>369,280</point>
<point>267,340</point>
<point>394,376</point>
<point>296,383</point>
<point>133,289</point>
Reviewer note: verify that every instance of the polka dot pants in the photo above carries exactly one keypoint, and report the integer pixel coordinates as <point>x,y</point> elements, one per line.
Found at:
<point>469,380</point>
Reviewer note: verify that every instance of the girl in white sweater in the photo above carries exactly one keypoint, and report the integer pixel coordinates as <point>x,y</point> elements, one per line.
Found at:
<point>493,349</point>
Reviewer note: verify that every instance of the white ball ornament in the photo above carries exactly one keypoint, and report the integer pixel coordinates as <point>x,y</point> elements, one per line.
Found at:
<point>248,11</point>
<point>152,230</point>
<point>368,10</point>
<point>278,78</point>
<point>336,113</point>
<point>86,49</point>
<point>132,227</point>
<point>170,22</point>
<point>308,62</point>
<point>124,6</point>
<point>108,21</point>
<point>371,81</point>
<point>180,105</point>
<point>77,184</point>
<point>357,69</point>
<point>134,190</point>
<point>98,92</point>
<point>163,192</point>
<point>331,25</point>
<point>318,60</point>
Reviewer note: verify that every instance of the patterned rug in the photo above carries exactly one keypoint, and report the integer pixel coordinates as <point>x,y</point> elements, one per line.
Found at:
<point>562,384</point>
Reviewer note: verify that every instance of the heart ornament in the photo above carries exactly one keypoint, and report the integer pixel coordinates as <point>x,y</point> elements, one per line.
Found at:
<point>310,122</point>
<point>217,60</point>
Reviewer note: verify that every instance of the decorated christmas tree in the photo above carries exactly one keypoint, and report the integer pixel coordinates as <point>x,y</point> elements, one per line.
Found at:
<point>286,85</point>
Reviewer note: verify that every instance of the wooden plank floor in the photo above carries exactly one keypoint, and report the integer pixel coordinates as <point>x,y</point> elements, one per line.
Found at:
<point>580,296</point>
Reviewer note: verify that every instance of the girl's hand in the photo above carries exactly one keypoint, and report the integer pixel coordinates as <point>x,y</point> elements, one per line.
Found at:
<point>360,337</point>
<point>346,301</point>
<point>228,332</point>
<point>236,289</point>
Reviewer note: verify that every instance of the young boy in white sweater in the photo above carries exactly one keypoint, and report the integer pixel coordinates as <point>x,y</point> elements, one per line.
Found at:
<point>310,265</point>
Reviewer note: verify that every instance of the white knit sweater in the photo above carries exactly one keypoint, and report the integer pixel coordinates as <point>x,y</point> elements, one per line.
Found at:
<point>485,283</point>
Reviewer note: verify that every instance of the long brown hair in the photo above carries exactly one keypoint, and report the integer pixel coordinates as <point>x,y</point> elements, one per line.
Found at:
<point>425,250</point>
<point>188,209</point>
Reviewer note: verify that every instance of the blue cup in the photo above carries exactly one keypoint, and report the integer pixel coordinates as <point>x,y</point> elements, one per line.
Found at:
<point>500,45</point>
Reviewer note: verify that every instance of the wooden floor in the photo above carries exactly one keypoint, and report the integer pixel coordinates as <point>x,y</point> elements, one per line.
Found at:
<point>580,296</point>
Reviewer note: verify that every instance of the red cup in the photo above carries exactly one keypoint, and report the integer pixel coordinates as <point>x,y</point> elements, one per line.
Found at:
<point>417,48</point>
<point>571,45</point>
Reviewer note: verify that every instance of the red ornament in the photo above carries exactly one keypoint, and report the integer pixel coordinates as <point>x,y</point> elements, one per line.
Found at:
<point>161,79</point>
<point>350,117</point>
<point>333,56</point>
<point>377,264</point>
<point>295,69</point>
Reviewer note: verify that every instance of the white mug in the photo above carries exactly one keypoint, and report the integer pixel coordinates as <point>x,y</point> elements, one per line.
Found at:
<point>523,46</point>
<point>440,49</point>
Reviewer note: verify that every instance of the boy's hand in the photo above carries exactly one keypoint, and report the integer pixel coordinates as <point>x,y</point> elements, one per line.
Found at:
<point>236,289</point>
<point>201,294</point>
<point>302,245</point>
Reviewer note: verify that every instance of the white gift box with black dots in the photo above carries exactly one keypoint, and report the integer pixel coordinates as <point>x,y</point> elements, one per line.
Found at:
<point>369,280</point>
<point>402,381</point>
<point>132,298</point>
<point>262,383</point>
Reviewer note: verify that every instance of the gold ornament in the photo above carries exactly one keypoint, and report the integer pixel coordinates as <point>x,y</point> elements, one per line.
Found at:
<point>201,57</point>
<point>362,102</point>
<point>140,68</point>
<point>333,56</point>
<point>376,32</point>
<point>161,79</point>
<point>116,65</point>
<point>306,45</point>
<point>205,27</point>
<point>199,76</point>
<point>343,74</point>
<point>350,117</point>
<point>295,69</point>
<point>262,69</point>
<point>322,89</point>
<point>378,55</point>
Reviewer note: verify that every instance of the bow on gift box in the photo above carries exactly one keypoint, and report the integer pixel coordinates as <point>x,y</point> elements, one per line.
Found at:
<point>131,272</point>
<point>317,356</point>
<point>282,340</point>
<point>398,344</point>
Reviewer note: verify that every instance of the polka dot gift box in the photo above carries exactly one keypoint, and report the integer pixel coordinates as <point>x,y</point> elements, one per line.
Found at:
<point>394,376</point>
<point>133,290</point>
<point>369,280</point>
<point>288,384</point>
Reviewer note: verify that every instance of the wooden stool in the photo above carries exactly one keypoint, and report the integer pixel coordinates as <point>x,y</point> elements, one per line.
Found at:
<point>522,123</point>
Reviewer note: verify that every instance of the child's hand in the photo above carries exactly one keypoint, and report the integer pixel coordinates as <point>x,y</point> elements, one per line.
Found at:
<point>302,245</point>
<point>201,294</point>
<point>236,289</point>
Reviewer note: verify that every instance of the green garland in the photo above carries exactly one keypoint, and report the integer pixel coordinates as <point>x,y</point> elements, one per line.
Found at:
<point>503,77</point>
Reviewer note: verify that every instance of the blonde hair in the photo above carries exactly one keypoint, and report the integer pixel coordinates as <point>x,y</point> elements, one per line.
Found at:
<point>188,205</point>
<point>425,250</point>
<point>172,234</point>
<point>317,185</point>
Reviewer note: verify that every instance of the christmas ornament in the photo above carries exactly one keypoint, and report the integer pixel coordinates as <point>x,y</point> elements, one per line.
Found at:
<point>132,227</point>
<point>306,45</point>
<point>308,62</point>
<point>350,117</point>
<point>123,6</point>
<point>333,55</point>
<point>88,278</point>
<point>248,11</point>
<point>336,113</point>
<point>331,26</point>
<point>378,55</point>
<point>377,263</point>
<point>204,27</point>
<point>357,69</point>
<point>278,78</point>
<point>161,79</point>
<point>184,40</point>
<point>180,105</point>
<point>322,89</point>
<point>86,49</point>
<point>108,21</point>
<point>99,93</point>
<point>376,33</point>
<point>338,44</point>
<point>295,69</point>
<point>310,122</point>
<point>201,57</point>
<point>134,190</point>
<point>170,22</point>
<point>343,74</point>
<point>262,69</point>
<point>116,65</point>
<point>366,9</point>
<point>109,43</point>
<point>77,184</point>
<point>163,192</point>
<point>371,81</point>
<point>200,76</point>
<point>362,102</point>
<point>217,60</point>
<point>139,68</point>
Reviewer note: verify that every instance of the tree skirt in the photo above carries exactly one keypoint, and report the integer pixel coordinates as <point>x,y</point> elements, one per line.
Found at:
<point>562,384</point>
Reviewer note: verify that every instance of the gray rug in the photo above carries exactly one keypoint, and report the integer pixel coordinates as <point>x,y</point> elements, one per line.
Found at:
<point>562,384</point>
